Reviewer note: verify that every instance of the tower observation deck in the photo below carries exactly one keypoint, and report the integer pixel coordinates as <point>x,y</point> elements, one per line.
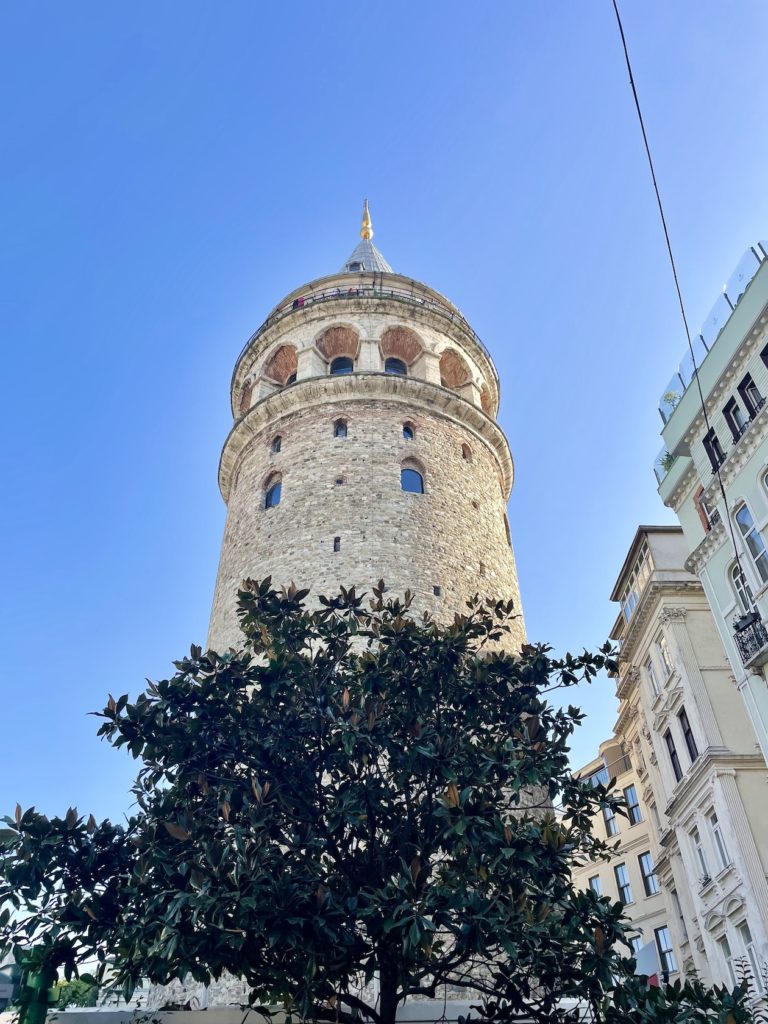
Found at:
<point>365,447</point>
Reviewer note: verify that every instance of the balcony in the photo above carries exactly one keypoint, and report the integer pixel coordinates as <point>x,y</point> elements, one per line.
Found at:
<point>719,316</point>
<point>364,290</point>
<point>751,639</point>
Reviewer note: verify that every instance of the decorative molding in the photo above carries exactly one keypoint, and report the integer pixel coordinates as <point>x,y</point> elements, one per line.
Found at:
<point>706,549</point>
<point>669,614</point>
<point>654,589</point>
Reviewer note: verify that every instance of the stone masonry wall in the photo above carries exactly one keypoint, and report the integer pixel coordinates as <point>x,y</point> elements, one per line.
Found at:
<point>453,536</point>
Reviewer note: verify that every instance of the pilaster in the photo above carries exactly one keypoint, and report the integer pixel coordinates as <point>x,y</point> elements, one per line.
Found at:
<point>673,620</point>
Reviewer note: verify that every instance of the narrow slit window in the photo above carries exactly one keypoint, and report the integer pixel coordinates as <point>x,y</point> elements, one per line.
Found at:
<point>408,432</point>
<point>337,543</point>
<point>276,445</point>
<point>340,428</point>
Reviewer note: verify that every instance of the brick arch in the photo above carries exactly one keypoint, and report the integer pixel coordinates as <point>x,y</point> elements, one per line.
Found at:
<point>401,343</point>
<point>485,400</point>
<point>282,364</point>
<point>245,397</point>
<point>338,341</point>
<point>454,371</point>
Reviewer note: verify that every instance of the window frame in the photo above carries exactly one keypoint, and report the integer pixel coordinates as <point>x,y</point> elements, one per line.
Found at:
<point>275,487</point>
<point>751,953</point>
<point>409,432</point>
<point>666,951</point>
<point>700,854</point>
<point>650,671</point>
<point>714,449</point>
<point>648,874</point>
<point>741,588</point>
<point>666,660</point>
<point>596,885</point>
<point>634,811</point>
<point>719,840</point>
<point>727,954</point>
<point>624,886</point>
<point>750,395</point>
<point>752,539</point>
<point>610,822</point>
<point>674,757</point>
<point>687,731</point>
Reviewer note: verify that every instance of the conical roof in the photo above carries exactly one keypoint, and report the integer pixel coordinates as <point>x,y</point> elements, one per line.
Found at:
<point>366,256</point>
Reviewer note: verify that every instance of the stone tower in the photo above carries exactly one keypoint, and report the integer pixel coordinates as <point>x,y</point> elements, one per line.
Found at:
<point>365,447</point>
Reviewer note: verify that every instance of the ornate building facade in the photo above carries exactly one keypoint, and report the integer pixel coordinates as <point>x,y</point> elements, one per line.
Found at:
<point>701,778</point>
<point>365,447</point>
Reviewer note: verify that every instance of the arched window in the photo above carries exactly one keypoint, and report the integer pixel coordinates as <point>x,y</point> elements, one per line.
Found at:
<point>408,431</point>
<point>741,589</point>
<point>396,366</point>
<point>341,365</point>
<point>277,442</point>
<point>411,480</point>
<point>291,379</point>
<point>466,452</point>
<point>340,428</point>
<point>753,540</point>
<point>272,492</point>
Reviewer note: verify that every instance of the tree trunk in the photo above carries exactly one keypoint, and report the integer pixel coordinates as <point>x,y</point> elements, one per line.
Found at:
<point>388,994</point>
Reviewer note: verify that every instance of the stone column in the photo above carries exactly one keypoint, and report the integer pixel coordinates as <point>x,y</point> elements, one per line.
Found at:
<point>745,841</point>
<point>427,367</point>
<point>310,364</point>
<point>369,357</point>
<point>673,620</point>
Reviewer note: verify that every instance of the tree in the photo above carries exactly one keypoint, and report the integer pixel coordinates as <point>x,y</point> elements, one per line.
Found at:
<point>353,795</point>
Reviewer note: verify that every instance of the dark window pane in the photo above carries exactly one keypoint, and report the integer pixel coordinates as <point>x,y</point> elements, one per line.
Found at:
<point>407,432</point>
<point>396,366</point>
<point>340,429</point>
<point>411,480</point>
<point>272,497</point>
<point>342,364</point>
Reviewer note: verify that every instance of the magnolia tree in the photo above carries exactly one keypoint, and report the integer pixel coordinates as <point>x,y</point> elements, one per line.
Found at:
<point>353,808</point>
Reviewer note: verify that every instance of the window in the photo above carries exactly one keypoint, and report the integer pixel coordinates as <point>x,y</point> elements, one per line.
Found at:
<point>753,540</point>
<point>713,449</point>
<point>609,817</point>
<point>276,444</point>
<point>764,355</point>
<point>699,855</point>
<point>636,943</point>
<point>466,452</point>
<point>341,365</point>
<point>437,590</point>
<point>648,871</point>
<point>741,588</point>
<point>272,494</point>
<point>408,431</point>
<point>664,946</point>
<point>749,948</point>
<point>673,757</point>
<point>719,841</point>
<point>411,480</point>
<point>636,580</point>
<point>690,742</point>
<point>652,679</point>
<point>337,543</point>
<point>396,366</point>
<point>633,805</point>
<point>338,481</point>
<point>340,428</point>
<point>666,661</point>
<point>291,379</point>
<point>622,884</point>
<point>725,952</point>
<point>750,396</point>
<point>735,418</point>
<point>679,910</point>
<point>596,885</point>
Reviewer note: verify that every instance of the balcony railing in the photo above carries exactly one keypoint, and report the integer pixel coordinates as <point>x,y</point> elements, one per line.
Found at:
<point>751,639</point>
<point>748,266</point>
<point>368,291</point>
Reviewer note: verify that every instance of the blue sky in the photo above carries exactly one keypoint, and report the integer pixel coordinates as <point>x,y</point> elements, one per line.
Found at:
<point>171,171</point>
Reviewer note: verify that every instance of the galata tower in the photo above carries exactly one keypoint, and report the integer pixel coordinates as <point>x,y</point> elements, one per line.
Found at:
<point>365,447</point>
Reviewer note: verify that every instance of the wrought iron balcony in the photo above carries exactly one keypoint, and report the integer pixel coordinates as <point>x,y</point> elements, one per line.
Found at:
<point>751,639</point>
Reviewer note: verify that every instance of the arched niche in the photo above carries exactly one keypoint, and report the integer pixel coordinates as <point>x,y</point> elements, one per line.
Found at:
<point>454,371</point>
<point>338,341</point>
<point>400,343</point>
<point>282,364</point>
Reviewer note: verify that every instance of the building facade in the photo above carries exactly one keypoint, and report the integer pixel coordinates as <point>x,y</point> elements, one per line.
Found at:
<point>701,777</point>
<point>713,471</point>
<point>630,875</point>
<point>365,447</point>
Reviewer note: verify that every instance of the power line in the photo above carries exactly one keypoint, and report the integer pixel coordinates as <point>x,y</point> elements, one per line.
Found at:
<point>677,281</point>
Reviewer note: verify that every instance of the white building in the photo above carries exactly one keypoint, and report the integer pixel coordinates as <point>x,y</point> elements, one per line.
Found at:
<point>700,772</point>
<point>713,472</point>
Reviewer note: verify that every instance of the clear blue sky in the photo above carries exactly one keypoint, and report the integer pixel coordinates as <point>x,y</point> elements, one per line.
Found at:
<point>170,171</point>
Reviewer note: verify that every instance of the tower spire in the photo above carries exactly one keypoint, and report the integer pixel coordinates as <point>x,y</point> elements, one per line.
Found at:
<point>366,231</point>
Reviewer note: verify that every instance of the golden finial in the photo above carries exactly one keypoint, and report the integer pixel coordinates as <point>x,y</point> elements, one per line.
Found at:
<point>366,231</point>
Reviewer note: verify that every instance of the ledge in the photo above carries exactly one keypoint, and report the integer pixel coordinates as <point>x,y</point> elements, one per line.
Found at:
<point>356,387</point>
